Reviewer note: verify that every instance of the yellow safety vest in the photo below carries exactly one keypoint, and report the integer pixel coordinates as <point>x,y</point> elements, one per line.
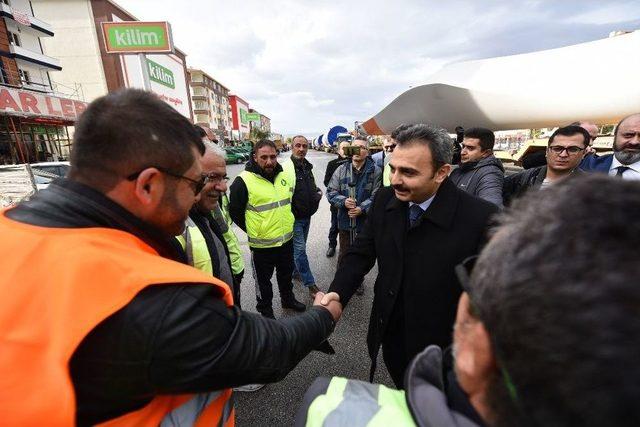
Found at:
<point>359,404</point>
<point>194,244</point>
<point>386,172</point>
<point>268,216</point>
<point>237,261</point>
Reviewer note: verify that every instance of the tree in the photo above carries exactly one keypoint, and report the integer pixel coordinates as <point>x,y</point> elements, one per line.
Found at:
<point>256,134</point>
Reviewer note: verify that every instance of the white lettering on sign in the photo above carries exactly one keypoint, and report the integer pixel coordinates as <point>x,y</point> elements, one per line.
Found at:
<point>136,37</point>
<point>27,103</point>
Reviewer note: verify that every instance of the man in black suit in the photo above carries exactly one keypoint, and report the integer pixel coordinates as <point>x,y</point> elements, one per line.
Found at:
<point>417,230</point>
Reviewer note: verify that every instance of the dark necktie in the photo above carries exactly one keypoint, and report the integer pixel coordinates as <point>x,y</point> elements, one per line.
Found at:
<point>621,170</point>
<point>415,212</point>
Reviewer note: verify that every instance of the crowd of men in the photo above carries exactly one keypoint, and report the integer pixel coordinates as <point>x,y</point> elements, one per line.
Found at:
<point>105,319</point>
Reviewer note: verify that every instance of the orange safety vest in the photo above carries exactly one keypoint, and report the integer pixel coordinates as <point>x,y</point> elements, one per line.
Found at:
<point>57,284</point>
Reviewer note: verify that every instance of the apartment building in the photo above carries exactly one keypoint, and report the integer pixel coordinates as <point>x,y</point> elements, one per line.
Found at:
<point>34,110</point>
<point>210,103</point>
<point>240,124</point>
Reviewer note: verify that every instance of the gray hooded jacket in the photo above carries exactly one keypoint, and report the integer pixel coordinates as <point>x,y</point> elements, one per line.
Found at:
<point>483,179</point>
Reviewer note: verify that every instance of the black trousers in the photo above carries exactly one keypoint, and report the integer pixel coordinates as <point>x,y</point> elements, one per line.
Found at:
<point>333,231</point>
<point>264,261</point>
<point>395,357</point>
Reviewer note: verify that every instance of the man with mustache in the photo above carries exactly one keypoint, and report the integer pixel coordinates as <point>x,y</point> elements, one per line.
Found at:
<point>260,204</point>
<point>625,161</point>
<point>418,230</point>
<point>203,239</point>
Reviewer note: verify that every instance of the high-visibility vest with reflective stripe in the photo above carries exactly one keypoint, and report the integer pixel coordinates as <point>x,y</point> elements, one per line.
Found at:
<point>195,246</point>
<point>237,260</point>
<point>357,404</point>
<point>81,277</point>
<point>268,216</point>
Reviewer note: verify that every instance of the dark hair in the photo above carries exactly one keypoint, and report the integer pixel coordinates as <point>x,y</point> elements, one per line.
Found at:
<point>486,136</point>
<point>570,131</point>
<point>201,132</point>
<point>264,143</point>
<point>126,131</point>
<point>400,128</point>
<point>299,136</point>
<point>437,139</point>
<point>562,312</point>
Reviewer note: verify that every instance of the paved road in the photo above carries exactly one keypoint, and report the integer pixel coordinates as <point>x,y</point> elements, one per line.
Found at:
<point>275,404</point>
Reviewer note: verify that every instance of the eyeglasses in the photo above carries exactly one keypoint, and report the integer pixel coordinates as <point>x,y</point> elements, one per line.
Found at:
<point>463,273</point>
<point>215,178</point>
<point>390,148</point>
<point>197,185</point>
<point>558,149</point>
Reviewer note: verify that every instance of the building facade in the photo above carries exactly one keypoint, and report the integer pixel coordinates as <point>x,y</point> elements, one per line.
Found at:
<point>240,125</point>
<point>80,46</point>
<point>210,103</point>
<point>34,110</point>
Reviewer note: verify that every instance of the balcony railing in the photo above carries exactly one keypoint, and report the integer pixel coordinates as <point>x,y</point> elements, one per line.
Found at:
<point>42,28</point>
<point>37,58</point>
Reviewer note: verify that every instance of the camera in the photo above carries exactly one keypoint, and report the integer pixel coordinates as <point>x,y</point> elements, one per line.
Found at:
<point>351,150</point>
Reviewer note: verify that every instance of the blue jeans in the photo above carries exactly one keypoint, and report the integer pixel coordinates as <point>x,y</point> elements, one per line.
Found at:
<point>300,234</point>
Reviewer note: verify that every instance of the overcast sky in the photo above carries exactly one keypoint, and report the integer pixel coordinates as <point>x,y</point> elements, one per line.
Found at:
<point>311,64</point>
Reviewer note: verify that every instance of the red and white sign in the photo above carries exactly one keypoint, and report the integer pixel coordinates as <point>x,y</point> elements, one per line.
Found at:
<point>22,17</point>
<point>33,104</point>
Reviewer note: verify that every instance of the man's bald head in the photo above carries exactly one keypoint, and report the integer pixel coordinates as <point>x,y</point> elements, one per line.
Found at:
<point>626,142</point>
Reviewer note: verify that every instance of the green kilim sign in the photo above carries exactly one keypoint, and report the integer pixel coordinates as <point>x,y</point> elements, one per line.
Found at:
<point>246,117</point>
<point>160,74</point>
<point>134,36</point>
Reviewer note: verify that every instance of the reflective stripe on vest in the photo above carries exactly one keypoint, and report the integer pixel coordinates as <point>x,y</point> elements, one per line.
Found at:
<point>269,206</point>
<point>268,217</point>
<point>357,403</point>
<point>190,413</point>
<point>44,320</point>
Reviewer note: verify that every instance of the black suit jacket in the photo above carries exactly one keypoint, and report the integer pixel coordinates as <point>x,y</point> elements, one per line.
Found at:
<point>414,265</point>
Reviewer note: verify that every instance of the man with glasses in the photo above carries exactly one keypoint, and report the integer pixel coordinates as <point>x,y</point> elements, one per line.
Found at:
<point>565,150</point>
<point>202,239</point>
<point>625,161</point>
<point>544,332</point>
<point>100,319</point>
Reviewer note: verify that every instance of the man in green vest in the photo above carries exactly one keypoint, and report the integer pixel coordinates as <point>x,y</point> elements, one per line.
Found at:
<point>203,239</point>
<point>260,204</point>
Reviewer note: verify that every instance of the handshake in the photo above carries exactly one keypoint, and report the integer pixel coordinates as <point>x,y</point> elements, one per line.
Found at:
<point>331,302</point>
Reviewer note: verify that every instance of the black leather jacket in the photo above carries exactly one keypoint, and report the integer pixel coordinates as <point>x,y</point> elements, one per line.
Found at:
<point>169,339</point>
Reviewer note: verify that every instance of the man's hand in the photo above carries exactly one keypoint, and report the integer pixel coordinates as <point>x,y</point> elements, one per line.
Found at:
<point>350,203</point>
<point>355,212</point>
<point>332,303</point>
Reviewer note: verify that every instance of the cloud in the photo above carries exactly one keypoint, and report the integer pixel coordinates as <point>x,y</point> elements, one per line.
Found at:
<point>309,65</point>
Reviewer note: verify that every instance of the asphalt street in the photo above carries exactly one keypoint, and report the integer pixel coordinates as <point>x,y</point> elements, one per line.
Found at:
<point>276,404</point>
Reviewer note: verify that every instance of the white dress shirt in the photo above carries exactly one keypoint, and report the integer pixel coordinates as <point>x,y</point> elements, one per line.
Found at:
<point>424,205</point>
<point>632,173</point>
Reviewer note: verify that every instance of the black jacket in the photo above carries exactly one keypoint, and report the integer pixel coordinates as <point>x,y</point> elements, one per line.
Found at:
<point>482,179</point>
<point>416,292</point>
<point>331,168</point>
<point>306,195</point>
<point>239,195</point>
<point>517,184</point>
<point>169,339</point>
